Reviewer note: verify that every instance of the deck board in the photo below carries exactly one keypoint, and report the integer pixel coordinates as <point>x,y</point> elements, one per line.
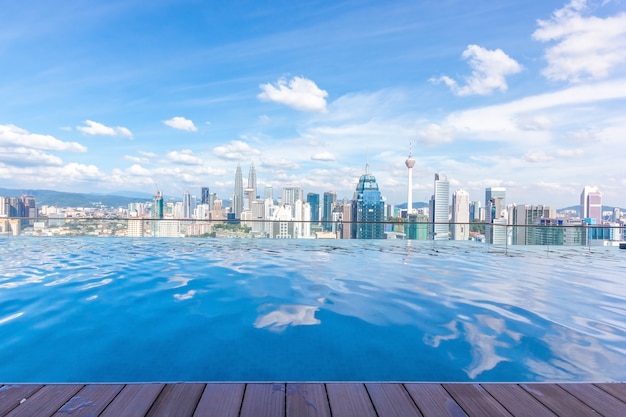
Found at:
<point>133,400</point>
<point>12,395</point>
<point>46,401</point>
<point>559,401</point>
<point>220,400</point>
<point>476,401</point>
<point>263,400</point>
<point>177,400</point>
<point>313,400</point>
<point>392,400</point>
<point>434,401</point>
<point>517,401</point>
<point>618,390</point>
<point>307,400</point>
<point>349,400</point>
<point>599,400</point>
<point>89,401</point>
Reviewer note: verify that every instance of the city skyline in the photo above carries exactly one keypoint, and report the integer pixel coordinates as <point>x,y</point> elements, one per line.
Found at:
<point>124,96</point>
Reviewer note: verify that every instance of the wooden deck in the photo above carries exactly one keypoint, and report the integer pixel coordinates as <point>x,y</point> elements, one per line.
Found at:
<point>312,400</point>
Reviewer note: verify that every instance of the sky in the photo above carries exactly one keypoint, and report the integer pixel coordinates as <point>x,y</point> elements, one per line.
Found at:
<point>110,96</point>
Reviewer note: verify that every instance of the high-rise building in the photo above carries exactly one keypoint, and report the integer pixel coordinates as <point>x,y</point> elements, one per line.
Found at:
<point>330,199</point>
<point>314,201</point>
<point>591,204</point>
<point>205,197</point>
<point>440,208</point>
<point>523,217</point>
<point>495,206</point>
<point>187,205</point>
<point>460,215</point>
<point>237,199</point>
<point>157,205</point>
<point>291,194</point>
<point>410,163</point>
<point>252,181</point>
<point>368,209</point>
<point>268,193</point>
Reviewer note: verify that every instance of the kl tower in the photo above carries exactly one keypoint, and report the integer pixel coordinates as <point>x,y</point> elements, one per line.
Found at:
<point>410,163</point>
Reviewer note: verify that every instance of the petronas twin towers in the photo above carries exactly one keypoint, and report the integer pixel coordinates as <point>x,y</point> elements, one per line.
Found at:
<point>251,190</point>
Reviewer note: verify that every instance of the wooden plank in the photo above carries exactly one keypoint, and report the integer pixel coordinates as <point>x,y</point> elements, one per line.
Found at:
<point>517,401</point>
<point>561,402</point>
<point>263,400</point>
<point>434,401</point>
<point>475,400</point>
<point>89,401</point>
<point>307,400</point>
<point>133,400</point>
<point>599,400</point>
<point>220,400</point>
<point>176,400</point>
<point>616,389</point>
<point>12,395</point>
<point>392,400</point>
<point>349,400</point>
<point>46,401</point>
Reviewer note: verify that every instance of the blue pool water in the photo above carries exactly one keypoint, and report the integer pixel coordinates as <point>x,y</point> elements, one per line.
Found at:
<point>131,310</point>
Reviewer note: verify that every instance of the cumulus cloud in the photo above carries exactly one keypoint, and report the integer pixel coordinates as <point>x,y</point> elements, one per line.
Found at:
<point>11,135</point>
<point>185,157</point>
<point>181,123</point>
<point>536,157</point>
<point>434,134</point>
<point>235,151</point>
<point>583,47</point>
<point>98,129</point>
<point>323,156</point>
<point>489,69</point>
<point>570,153</point>
<point>279,163</point>
<point>20,156</point>
<point>298,93</point>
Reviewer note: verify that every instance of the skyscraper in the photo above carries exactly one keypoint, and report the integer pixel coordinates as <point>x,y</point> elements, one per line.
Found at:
<point>439,208</point>
<point>460,215</point>
<point>237,200</point>
<point>252,180</point>
<point>410,163</point>
<point>314,201</point>
<point>187,205</point>
<point>157,205</point>
<point>495,205</point>
<point>205,196</point>
<point>368,209</point>
<point>591,204</point>
<point>330,198</point>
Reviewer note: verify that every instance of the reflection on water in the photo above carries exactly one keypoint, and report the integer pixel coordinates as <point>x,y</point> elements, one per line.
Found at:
<point>232,310</point>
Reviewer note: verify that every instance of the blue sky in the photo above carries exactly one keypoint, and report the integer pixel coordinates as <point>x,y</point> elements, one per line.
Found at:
<point>102,96</point>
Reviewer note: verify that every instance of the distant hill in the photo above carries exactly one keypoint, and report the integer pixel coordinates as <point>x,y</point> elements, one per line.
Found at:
<point>577,209</point>
<point>63,199</point>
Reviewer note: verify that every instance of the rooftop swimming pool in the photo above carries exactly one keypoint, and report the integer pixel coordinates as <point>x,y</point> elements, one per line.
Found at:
<point>139,310</point>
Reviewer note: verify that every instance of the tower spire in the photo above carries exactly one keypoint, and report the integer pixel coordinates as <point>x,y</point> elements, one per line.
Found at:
<point>410,163</point>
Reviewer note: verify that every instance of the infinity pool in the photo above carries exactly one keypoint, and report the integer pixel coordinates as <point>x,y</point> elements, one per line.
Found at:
<point>138,310</point>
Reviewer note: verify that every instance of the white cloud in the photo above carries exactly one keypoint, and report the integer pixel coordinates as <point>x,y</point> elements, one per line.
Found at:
<point>136,159</point>
<point>147,154</point>
<point>570,153</point>
<point>434,134</point>
<point>489,69</point>
<point>11,135</point>
<point>537,157</point>
<point>235,151</point>
<point>98,129</point>
<point>185,157</point>
<point>323,156</point>
<point>279,163</point>
<point>20,156</point>
<point>80,172</point>
<point>299,93</point>
<point>583,47</point>
<point>181,123</point>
